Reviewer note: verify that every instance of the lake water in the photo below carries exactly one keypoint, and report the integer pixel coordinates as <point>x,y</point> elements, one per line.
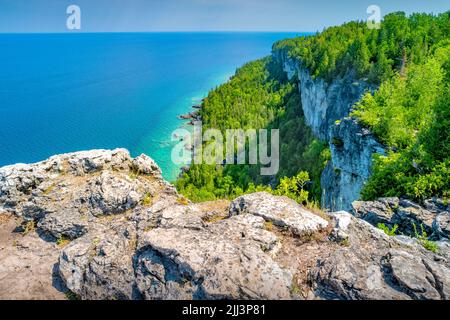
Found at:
<point>69,92</point>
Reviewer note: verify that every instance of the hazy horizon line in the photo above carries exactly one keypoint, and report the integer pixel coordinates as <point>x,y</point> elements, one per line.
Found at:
<point>168,31</point>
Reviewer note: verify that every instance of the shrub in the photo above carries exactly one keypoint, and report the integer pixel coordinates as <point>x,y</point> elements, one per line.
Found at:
<point>62,241</point>
<point>389,232</point>
<point>147,200</point>
<point>294,187</point>
<point>423,239</point>
<point>30,226</point>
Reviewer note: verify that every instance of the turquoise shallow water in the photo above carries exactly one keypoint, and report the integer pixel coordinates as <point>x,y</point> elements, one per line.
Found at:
<point>69,92</point>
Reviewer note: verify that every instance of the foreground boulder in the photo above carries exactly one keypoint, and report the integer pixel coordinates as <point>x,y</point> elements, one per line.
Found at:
<point>121,232</point>
<point>281,211</point>
<point>182,251</point>
<point>225,260</point>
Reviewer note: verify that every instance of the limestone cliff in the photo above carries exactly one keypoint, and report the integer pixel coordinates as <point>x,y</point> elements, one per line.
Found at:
<point>325,105</point>
<point>352,148</point>
<point>106,226</point>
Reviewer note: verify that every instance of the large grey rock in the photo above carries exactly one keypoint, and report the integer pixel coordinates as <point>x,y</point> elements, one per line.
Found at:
<point>215,263</point>
<point>144,164</point>
<point>19,182</point>
<point>64,193</point>
<point>441,225</point>
<point>172,259</point>
<point>109,194</point>
<point>99,265</point>
<point>282,211</point>
<point>413,274</point>
<point>374,212</point>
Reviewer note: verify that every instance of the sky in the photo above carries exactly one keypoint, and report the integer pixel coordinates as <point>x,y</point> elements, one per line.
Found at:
<point>197,15</point>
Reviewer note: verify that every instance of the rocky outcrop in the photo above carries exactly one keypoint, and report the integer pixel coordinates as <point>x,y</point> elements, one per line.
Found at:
<point>131,236</point>
<point>180,251</point>
<point>326,106</point>
<point>372,265</point>
<point>228,259</point>
<point>113,229</point>
<point>65,193</point>
<point>433,217</point>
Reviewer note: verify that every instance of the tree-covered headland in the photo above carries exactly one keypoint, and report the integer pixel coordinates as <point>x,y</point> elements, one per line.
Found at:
<point>407,59</point>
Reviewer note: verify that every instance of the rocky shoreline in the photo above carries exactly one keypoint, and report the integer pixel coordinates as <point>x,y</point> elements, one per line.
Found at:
<point>192,116</point>
<point>102,225</point>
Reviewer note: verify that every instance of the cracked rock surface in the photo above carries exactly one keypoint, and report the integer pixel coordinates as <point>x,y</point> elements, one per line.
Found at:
<point>106,226</point>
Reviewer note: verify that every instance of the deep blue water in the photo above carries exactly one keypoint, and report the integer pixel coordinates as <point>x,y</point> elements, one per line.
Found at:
<point>70,92</point>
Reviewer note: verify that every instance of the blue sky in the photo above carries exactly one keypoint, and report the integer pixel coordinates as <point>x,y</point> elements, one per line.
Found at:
<point>197,15</point>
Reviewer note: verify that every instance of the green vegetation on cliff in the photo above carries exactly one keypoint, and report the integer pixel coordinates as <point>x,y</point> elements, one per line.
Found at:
<point>373,53</point>
<point>258,96</point>
<point>408,57</point>
<point>411,115</point>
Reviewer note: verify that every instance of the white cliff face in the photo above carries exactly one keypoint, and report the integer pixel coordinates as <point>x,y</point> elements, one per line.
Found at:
<point>324,103</point>
<point>352,148</point>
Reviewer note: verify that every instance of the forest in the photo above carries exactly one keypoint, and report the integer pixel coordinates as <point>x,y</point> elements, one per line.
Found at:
<point>258,96</point>
<point>407,60</point>
<point>375,54</point>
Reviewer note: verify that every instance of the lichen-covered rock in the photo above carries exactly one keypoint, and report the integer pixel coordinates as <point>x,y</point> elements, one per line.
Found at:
<point>323,102</point>
<point>144,164</point>
<point>169,259</point>
<point>281,211</point>
<point>99,265</point>
<point>64,224</point>
<point>412,274</point>
<point>112,194</point>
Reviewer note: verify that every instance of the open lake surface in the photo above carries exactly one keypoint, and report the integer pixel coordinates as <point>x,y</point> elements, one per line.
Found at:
<point>70,92</point>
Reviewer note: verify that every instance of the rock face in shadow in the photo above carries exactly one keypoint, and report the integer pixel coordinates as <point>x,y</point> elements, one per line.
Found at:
<point>117,230</point>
